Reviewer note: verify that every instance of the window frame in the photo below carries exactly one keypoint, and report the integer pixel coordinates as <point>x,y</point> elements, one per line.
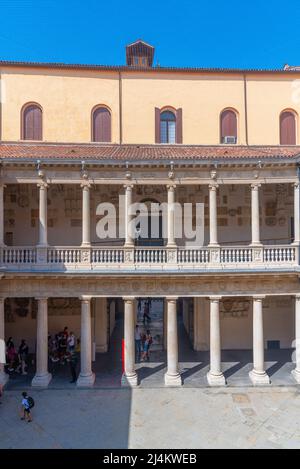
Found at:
<point>94,109</point>
<point>235,112</point>
<point>171,111</point>
<point>295,115</point>
<point>22,130</point>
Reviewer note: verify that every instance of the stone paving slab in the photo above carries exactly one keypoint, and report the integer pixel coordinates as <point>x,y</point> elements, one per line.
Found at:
<point>155,418</point>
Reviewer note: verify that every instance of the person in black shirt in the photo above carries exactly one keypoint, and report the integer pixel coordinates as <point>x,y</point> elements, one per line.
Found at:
<point>23,355</point>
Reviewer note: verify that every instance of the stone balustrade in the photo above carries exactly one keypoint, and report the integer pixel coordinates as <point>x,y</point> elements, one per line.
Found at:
<point>68,258</point>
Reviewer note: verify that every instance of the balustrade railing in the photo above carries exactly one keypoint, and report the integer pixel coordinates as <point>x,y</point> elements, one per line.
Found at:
<point>162,257</point>
<point>235,255</point>
<point>107,256</point>
<point>18,255</point>
<point>150,256</point>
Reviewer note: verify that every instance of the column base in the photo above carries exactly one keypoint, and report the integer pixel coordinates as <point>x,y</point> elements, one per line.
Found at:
<point>259,379</point>
<point>3,378</point>
<point>86,381</point>
<point>173,380</point>
<point>41,381</point>
<point>296,375</point>
<point>216,380</point>
<point>129,380</point>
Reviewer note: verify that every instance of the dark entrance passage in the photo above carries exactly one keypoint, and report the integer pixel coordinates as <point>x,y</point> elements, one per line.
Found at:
<point>150,316</point>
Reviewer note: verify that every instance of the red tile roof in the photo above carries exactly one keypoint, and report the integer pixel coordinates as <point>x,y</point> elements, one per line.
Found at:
<point>124,68</point>
<point>155,153</point>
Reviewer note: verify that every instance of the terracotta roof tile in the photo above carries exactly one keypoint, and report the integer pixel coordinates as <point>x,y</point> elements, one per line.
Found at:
<point>112,152</point>
<point>124,68</point>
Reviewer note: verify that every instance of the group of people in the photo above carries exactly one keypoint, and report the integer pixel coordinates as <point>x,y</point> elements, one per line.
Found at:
<point>143,342</point>
<point>64,347</point>
<point>17,358</point>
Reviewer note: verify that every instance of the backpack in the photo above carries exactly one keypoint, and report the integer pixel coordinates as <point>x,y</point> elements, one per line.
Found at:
<point>30,402</point>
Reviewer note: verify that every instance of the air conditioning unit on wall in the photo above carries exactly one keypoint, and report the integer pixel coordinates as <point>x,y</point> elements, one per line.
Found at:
<point>229,139</point>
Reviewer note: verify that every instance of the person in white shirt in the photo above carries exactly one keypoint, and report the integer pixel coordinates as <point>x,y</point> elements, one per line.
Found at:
<point>71,341</point>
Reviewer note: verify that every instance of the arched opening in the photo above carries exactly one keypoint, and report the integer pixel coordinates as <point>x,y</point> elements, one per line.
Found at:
<point>31,119</point>
<point>167,127</point>
<point>228,126</point>
<point>101,124</point>
<point>287,128</point>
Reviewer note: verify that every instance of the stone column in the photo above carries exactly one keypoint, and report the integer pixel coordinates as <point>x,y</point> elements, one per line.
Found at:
<point>129,241</point>
<point>42,377</point>
<point>2,215</point>
<point>296,371</point>
<point>258,374</point>
<point>3,375</point>
<point>86,377</point>
<point>213,215</point>
<point>255,238</point>
<point>296,213</point>
<point>43,230</point>
<point>130,377</point>
<point>86,214</point>
<point>171,217</point>
<point>172,376</point>
<point>215,376</point>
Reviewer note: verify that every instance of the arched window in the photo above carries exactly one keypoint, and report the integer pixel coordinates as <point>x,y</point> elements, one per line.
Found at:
<point>167,127</point>
<point>228,124</point>
<point>101,125</point>
<point>287,128</point>
<point>32,118</point>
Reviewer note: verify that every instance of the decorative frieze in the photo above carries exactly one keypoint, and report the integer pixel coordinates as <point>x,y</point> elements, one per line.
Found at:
<point>117,286</point>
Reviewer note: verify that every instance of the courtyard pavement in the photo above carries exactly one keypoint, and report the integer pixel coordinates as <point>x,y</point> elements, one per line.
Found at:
<point>154,418</point>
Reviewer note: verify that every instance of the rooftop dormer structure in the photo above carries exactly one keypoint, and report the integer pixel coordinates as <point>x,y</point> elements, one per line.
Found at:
<point>139,54</point>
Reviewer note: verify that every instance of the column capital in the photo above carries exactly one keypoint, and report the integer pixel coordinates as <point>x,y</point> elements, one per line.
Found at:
<point>171,298</point>
<point>171,187</point>
<point>213,187</point>
<point>258,297</point>
<point>2,185</point>
<point>128,299</point>
<point>86,184</point>
<point>296,184</point>
<point>297,297</point>
<point>215,298</point>
<point>85,298</point>
<point>41,298</point>
<point>255,186</point>
<point>43,184</point>
<point>128,187</point>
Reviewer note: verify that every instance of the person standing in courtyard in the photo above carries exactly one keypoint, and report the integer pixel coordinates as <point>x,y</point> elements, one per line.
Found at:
<point>146,315</point>
<point>27,404</point>
<point>71,342</point>
<point>23,356</point>
<point>73,360</point>
<point>147,345</point>
<point>138,343</point>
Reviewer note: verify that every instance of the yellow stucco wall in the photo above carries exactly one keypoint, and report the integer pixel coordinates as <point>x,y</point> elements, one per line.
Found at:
<point>68,96</point>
